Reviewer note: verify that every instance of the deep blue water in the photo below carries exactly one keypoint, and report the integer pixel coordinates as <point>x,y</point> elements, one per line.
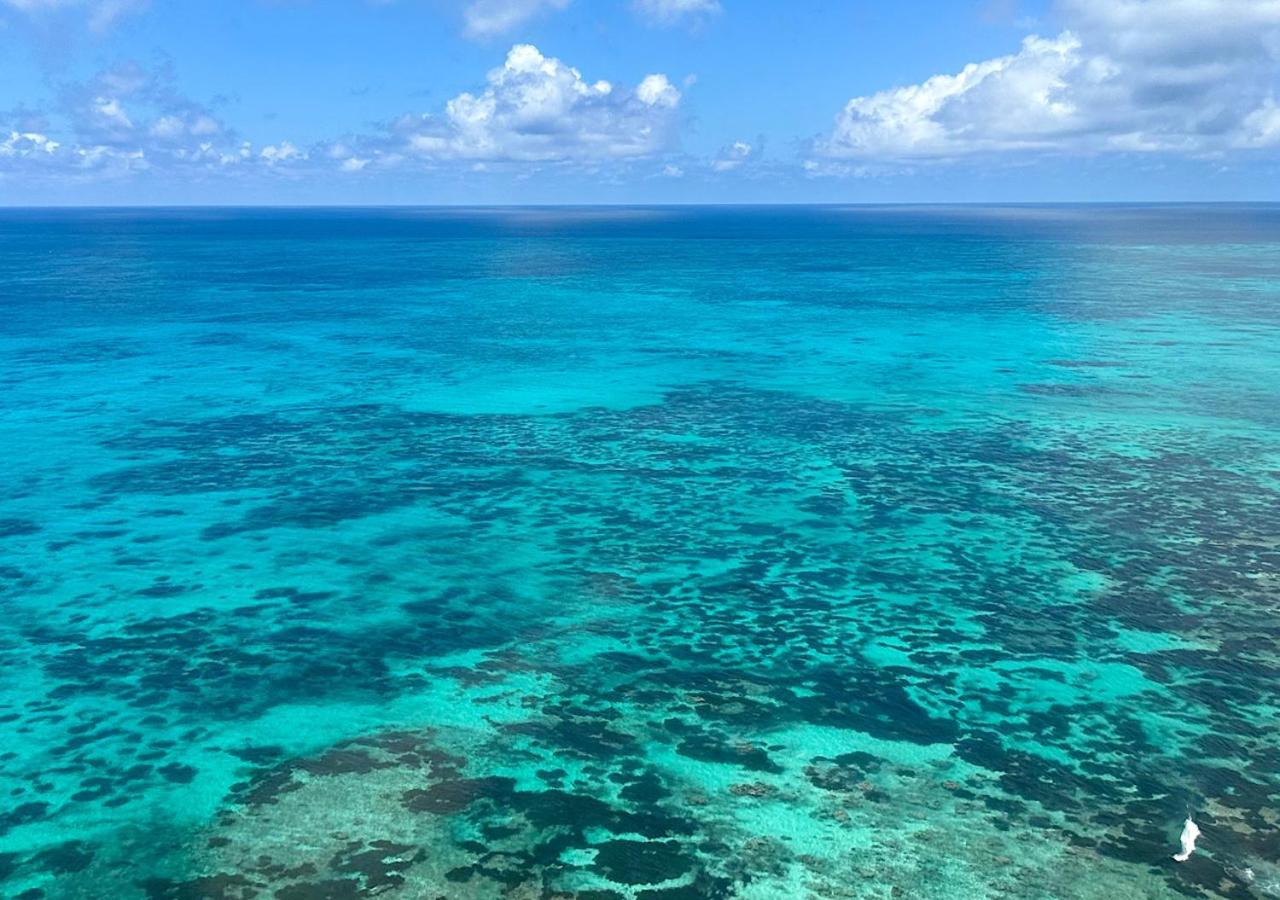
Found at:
<point>643,553</point>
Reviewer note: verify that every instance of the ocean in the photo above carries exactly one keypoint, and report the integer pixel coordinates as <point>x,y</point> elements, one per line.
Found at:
<point>639,553</point>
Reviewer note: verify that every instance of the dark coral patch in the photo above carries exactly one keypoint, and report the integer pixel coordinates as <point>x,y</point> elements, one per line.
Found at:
<point>647,789</point>
<point>380,865</point>
<point>23,814</point>
<point>711,748</point>
<point>448,797</point>
<point>344,761</point>
<point>178,773</point>
<point>332,889</point>
<point>258,756</point>
<point>222,886</point>
<point>72,856</point>
<point>642,862</point>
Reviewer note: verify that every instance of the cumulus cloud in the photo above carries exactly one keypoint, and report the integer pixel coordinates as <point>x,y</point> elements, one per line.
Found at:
<point>536,108</point>
<point>487,18</point>
<point>1194,77</point>
<point>670,12</point>
<point>657,91</point>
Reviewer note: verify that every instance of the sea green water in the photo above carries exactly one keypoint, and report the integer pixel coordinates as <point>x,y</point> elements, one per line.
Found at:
<point>640,553</point>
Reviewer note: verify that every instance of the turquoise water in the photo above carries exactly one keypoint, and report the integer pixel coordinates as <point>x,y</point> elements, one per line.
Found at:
<point>640,553</point>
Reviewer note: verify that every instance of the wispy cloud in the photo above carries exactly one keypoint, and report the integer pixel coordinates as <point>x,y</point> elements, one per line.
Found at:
<point>99,15</point>
<point>490,18</point>
<point>124,120</point>
<point>671,12</point>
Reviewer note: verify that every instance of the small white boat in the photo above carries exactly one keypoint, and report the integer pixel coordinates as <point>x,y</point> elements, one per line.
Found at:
<point>1190,831</point>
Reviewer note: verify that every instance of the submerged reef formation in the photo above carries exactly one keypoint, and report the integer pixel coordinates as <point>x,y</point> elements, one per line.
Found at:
<point>512,567</point>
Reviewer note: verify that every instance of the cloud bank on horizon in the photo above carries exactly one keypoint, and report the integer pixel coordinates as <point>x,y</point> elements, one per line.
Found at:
<point>1178,82</point>
<point>1178,76</point>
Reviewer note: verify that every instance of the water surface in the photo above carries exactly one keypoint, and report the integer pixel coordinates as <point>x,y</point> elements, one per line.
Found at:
<point>639,553</point>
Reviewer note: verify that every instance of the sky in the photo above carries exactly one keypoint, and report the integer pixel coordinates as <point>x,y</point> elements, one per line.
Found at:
<point>637,101</point>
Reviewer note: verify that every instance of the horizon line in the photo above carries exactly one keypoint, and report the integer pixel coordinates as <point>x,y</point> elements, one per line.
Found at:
<point>726,205</point>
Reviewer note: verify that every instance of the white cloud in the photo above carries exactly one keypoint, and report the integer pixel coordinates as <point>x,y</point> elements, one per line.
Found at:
<point>487,18</point>
<point>732,157</point>
<point>283,152</point>
<point>179,126</point>
<point>1192,77</point>
<point>1261,128</point>
<point>536,108</point>
<point>27,144</point>
<point>127,105</point>
<point>110,113</point>
<point>110,160</point>
<point>656,90</point>
<point>669,12</point>
<point>122,121</point>
<point>167,127</point>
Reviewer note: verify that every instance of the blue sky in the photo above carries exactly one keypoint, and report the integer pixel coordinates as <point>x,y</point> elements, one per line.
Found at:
<point>602,101</point>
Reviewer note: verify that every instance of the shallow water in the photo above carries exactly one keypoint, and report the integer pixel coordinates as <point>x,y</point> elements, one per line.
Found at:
<point>640,553</point>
